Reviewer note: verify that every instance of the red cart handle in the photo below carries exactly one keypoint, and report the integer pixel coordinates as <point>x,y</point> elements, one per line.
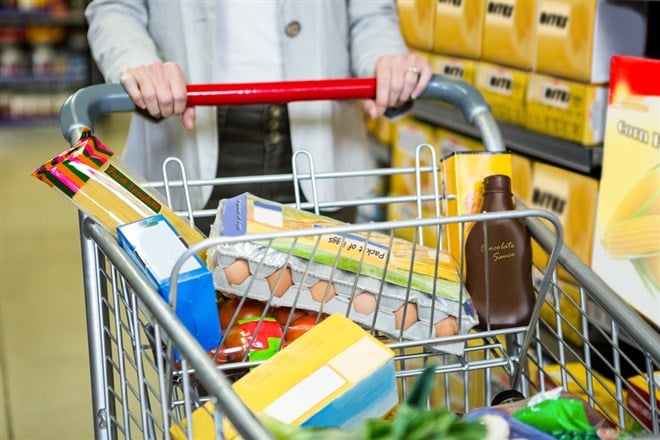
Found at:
<point>281,92</point>
<point>82,107</point>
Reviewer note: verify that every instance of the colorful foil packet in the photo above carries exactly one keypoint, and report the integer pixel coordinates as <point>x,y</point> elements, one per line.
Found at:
<point>92,177</point>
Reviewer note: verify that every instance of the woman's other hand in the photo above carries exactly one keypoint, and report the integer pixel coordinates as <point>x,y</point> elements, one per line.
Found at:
<point>398,79</point>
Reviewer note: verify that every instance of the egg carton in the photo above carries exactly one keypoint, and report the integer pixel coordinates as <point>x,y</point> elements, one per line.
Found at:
<point>370,302</point>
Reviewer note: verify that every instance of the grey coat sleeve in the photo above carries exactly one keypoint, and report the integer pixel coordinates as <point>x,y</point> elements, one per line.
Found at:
<point>374,31</point>
<point>118,35</point>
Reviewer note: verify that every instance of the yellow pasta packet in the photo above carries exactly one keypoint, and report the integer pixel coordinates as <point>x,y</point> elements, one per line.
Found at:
<point>98,186</point>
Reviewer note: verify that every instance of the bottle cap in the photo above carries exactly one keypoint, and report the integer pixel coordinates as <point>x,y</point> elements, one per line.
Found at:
<point>497,182</point>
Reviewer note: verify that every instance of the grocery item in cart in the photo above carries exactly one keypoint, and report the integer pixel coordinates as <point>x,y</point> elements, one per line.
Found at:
<point>154,245</point>
<point>498,258</point>
<point>98,183</point>
<point>335,375</point>
<point>390,284</point>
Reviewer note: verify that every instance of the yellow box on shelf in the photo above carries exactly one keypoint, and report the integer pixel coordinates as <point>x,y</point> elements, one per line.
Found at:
<point>504,89</point>
<point>458,27</point>
<point>417,21</point>
<point>409,133</point>
<point>449,141</point>
<point>575,39</point>
<point>463,174</point>
<point>454,67</point>
<point>572,198</point>
<point>508,36</point>
<point>566,109</point>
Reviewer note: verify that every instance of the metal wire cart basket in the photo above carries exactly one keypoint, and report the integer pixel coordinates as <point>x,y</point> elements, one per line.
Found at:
<point>587,341</point>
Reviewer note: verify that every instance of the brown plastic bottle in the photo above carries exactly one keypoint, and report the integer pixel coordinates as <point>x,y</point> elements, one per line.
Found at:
<point>501,289</point>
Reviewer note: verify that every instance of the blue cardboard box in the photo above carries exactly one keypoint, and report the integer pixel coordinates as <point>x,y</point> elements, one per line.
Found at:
<point>155,246</point>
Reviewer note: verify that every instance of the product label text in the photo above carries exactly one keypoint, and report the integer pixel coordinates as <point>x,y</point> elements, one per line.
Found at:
<point>503,251</point>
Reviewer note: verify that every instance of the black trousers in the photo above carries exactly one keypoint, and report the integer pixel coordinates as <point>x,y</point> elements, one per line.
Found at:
<point>256,140</point>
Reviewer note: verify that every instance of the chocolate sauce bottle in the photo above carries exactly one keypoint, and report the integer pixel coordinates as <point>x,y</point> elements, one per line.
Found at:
<point>499,280</point>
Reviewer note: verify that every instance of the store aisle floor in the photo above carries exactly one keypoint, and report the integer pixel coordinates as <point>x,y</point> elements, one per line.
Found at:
<point>44,368</point>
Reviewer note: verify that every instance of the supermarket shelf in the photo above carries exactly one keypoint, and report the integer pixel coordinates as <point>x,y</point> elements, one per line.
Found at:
<point>10,17</point>
<point>29,80</point>
<point>569,155</point>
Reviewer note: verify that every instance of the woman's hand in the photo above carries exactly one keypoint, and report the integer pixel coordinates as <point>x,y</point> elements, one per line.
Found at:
<point>398,79</point>
<point>160,90</point>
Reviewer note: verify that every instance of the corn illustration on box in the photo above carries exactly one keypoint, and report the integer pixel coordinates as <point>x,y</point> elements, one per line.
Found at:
<point>627,238</point>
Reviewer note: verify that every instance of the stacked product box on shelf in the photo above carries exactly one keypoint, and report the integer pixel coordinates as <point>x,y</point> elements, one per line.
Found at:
<point>509,34</point>
<point>626,251</point>
<point>576,39</point>
<point>417,23</point>
<point>409,134</point>
<point>504,89</point>
<point>566,109</point>
<point>454,67</point>
<point>572,198</point>
<point>542,64</point>
<point>458,27</point>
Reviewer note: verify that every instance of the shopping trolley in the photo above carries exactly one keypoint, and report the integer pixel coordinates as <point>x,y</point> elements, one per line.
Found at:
<point>587,341</point>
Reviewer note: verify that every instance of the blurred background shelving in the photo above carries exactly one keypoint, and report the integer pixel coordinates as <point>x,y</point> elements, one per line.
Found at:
<point>43,58</point>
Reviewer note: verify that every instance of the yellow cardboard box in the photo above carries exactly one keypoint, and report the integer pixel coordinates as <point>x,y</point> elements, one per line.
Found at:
<point>566,109</point>
<point>508,36</point>
<point>458,27</point>
<point>626,243</point>
<point>449,141</point>
<point>454,67</point>
<point>572,198</point>
<point>409,133</point>
<point>576,39</point>
<point>463,174</point>
<point>336,374</point>
<point>504,90</point>
<point>417,20</point>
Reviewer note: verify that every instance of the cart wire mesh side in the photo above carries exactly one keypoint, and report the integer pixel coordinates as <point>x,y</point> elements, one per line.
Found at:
<point>141,392</point>
<point>581,337</point>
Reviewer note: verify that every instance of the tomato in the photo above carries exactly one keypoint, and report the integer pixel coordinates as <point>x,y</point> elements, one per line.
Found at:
<point>242,335</point>
<point>281,314</point>
<point>250,309</point>
<point>299,327</point>
<point>233,347</point>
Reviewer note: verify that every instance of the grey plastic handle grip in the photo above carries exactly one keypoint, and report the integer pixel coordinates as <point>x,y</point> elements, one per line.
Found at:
<point>85,105</point>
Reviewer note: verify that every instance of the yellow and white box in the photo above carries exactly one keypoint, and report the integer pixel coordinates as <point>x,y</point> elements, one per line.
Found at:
<point>572,198</point>
<point>566,109</point>
<point>335,375</point>
<point>458,27</point>
<point>504,89</point>
<point>454,67</point>
<point>576,39</point>
<point>627,240</point>
<point>508,36</point>
<point>417,19</point>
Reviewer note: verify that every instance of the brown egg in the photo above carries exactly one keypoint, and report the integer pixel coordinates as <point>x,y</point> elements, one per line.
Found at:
<point>284,283</point>
<point>365,303</point>
<point>411,316</point>
<point>446,327</point>
<point>237,272</point>
<point>322,291</point>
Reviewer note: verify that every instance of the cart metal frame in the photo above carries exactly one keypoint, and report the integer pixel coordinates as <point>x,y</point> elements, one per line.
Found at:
<point>139,392</point>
